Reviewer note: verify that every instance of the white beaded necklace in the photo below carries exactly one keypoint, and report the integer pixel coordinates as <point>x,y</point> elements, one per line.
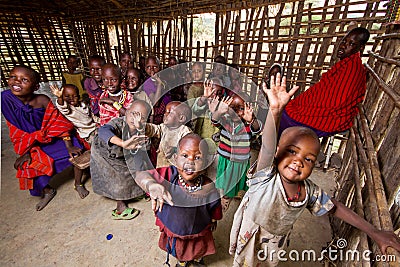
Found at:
<point>117,94</point>
<point>191,188</point>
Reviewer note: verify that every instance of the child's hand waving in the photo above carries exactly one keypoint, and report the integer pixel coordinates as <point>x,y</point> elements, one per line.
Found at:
<point>56,91</point>
<point>208,88</point>
<point>158,194</point>
<point>278,97</point>
<point>248,113</point>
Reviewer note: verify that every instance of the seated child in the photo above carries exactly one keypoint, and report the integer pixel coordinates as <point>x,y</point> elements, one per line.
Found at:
<point>238,124</point>
<point>94,84</point>
<point>72,76</point>
<point>170,131</point>
<point>113,101</point>
<point>186,225</point>
<point>41,135</point>
<point>279,191</point>
<point>118,151</point>
<point>69,104</point>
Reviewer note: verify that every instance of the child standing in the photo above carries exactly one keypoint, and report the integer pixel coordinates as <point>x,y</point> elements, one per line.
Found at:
<point>238,124</point>
<point>113,101</point>
<point>118,151</point>
<point>94,84</point>
<point>279,191</point>
<point>73,76</point>
<point>186,225</point>
<point>40,135</point>
<point>170,131</point>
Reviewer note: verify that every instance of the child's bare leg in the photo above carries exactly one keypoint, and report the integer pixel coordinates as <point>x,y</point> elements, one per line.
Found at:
<point>78,186</point>
<point>48,195</point>
<point>121,206</point>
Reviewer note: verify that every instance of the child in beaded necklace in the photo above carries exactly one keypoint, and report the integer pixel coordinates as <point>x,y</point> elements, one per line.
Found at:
<point>113,101</point>
<point>186,225</point>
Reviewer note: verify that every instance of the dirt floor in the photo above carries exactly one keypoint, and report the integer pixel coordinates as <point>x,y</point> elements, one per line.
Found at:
<point>73,232</point>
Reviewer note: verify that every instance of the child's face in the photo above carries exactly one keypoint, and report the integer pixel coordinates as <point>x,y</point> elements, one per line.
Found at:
<point>190,158</point>
<point>132,79</point>
<point>72,64</point>
<point>197,73</point>
<point>152,67</point>
<point>218,70</point>
<point>111,80</point>
<point>125,62</point>
<point>236,110</point>
<point>171,115</point>
<point>95,69</point>
<point>349,45</point>
<point>71,96</point>
<point>296,156</point>
<point>136,107</point>
<point>22,82</point>
<point>172,62</point>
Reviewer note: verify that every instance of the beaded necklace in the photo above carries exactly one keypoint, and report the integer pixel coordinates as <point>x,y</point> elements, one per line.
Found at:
<point>121,93</point>
<point>297,196</point>
<point>191,188</point>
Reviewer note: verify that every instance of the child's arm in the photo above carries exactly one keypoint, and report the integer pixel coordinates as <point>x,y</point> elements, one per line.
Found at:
<point>250,118</point>
<point>58,93</point>
<point>384,239</point>
<point>208,91</point>
<point>278,97</point>
<point>157,191</point>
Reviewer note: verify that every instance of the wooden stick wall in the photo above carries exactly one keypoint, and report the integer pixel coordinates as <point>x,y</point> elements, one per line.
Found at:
<point>298,34</point>
<point>370,175</point>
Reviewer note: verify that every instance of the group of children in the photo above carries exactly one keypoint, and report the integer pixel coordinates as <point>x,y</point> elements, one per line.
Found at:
<point>124,114</point>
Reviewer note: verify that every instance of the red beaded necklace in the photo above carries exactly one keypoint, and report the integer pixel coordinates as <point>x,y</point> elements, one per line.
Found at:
<point>297,196</point>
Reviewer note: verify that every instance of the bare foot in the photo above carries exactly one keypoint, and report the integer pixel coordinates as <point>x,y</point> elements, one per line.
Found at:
<point>82,191</point>
<point>46,198</point>
<point>225,201</point>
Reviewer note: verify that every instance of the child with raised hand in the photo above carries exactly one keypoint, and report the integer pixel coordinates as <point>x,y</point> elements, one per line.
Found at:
<point>94,84</point>
<point>118,151</point>
<point>69,104</point>
<point>279,191</point>
<point>114,101</point>
<point>238,124</point>
<point>169,132</point>
<point>41,135</point>
<point>186,224</point>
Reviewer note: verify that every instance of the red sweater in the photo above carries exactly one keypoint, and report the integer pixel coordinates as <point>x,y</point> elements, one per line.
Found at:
<point>331,104</point>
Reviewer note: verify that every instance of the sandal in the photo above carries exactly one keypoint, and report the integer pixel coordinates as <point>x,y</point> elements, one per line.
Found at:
<point>46,198</point>
<point>225,203</point>
<point>127,214</point>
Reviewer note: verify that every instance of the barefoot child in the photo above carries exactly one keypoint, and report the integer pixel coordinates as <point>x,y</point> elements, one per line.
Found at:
<point>40,134</point>
<point>113,101</point>
<point>238,124</point>
<point>117,153</point>
<point>186,225</point>
<point>279,191</point>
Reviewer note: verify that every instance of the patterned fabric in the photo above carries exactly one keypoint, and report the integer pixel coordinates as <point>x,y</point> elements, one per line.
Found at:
<point>94,91</point>
<point>331,104</point>
<point>231,176</point>
<point>30,130</point>
<point>235,139</point>
<point>277,216</point>
<point>108,112</point>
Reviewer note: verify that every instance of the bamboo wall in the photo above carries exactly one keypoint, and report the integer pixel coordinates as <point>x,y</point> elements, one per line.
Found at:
<point>370,177</point>
<point>299,34</point>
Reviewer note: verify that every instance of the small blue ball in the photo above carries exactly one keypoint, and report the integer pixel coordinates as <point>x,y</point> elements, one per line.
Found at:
<point>109,236</point>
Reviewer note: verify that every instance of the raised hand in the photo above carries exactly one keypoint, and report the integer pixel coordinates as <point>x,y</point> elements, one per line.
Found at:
<point>208,88</point>
<point>137,120</point>
<point>55,90</point>
<point>158,194</point>
<point>135,142</point>
<point>278,97</point>
<point>213,104</point>
<point>248,112</point>
<point>224,105</point>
